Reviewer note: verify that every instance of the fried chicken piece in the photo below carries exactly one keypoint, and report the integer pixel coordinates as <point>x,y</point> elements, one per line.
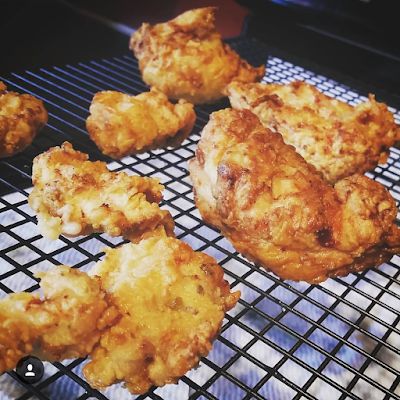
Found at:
<point>338,139</point>
<point>120,124</point>
<point>186,58</point>
<point>66,323</point>
<point>279,212</point>
<point>74,196</point>
<point>21,118</point>
<point>172,301</point>
<point>148,314</point>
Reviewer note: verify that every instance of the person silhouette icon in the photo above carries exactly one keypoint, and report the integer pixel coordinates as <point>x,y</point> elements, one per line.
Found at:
<point>29,371</point>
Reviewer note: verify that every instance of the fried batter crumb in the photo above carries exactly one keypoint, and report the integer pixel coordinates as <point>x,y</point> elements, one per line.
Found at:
<point>335,137</point>
<point>278,210</point>
<point>172,301</point>
<point>66,323</point>
<point>21,118</point>
<point>74,196</point>
<point>121,124</point>
<point>145,317</point>
<point>187,59</point>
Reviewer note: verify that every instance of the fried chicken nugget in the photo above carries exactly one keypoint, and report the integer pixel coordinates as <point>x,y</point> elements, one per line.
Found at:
<point>172,301</point>
<point>279,212</point>
<point>186,58</point>
<point>338,139</point>
<point>74,196</point>
<point>21,118</point>
<point>66,323</point>
<point>120,124</point>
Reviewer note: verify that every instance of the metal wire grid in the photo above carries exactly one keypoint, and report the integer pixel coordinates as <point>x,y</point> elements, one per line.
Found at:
<point>284,340</point>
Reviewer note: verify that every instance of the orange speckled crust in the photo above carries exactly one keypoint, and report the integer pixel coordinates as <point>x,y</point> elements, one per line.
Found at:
<point>172,301</point>
<point>279,212</point>
<point>338,139</point>
<point>21,118</point>
<point>66,323</point>
<point>74,196</point>
<point>186,58</point>
<point>120,124</point>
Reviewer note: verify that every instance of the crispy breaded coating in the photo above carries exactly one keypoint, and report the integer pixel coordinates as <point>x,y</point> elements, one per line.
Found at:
<point>74,196</point>
<point>21,117</point>
<point>279,212</point>
<point>121,124</point>
<point>145,318</point>
<point>66,323</point>
<point>187,59</point>
<point>335,137</point>
<point>172,301</point>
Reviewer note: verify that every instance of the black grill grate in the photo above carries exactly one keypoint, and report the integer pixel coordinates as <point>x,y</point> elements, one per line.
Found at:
<point>284,340</point>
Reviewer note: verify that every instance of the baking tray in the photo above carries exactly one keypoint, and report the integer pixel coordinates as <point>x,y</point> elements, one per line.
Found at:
<point>284,340</point>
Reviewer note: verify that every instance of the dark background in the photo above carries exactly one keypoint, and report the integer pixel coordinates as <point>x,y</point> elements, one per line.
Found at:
<point>34,33</point>
<point>356,39</point>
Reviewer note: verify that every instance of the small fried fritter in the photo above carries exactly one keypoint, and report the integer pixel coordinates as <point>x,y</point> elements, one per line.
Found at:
<point>279,212</point>
<point>186,58</point>
<point>121,125</point>
<point>172,301</point>
<point>74,196</point>
<point>66,323</point>
<point>21,117</point>
<point>338,139</point>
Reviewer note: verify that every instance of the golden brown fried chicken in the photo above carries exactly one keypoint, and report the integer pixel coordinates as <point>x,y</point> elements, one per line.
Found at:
<point>338,139</point>
<point>74,196</point>
<point>172,301</point>
<point>120,124</point>
<point>66,323</point>
<point>186,58</point>
<point>21,117</point>
<point>279,212</point>
<point>153,309</point>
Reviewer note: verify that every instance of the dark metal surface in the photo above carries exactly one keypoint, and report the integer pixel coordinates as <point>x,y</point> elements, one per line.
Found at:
<point>284,340</point>
<point>43,33</point>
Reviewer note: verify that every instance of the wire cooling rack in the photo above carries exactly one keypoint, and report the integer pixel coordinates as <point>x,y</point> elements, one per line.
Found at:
<point>284,340</point>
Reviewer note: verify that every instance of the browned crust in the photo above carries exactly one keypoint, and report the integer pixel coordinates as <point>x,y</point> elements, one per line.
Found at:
<point>123,125</point>
<point>22,116</point>
<point>278,211</point>
<point>337,138</point>
<point>186,58</point>
<point>82,197</point>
